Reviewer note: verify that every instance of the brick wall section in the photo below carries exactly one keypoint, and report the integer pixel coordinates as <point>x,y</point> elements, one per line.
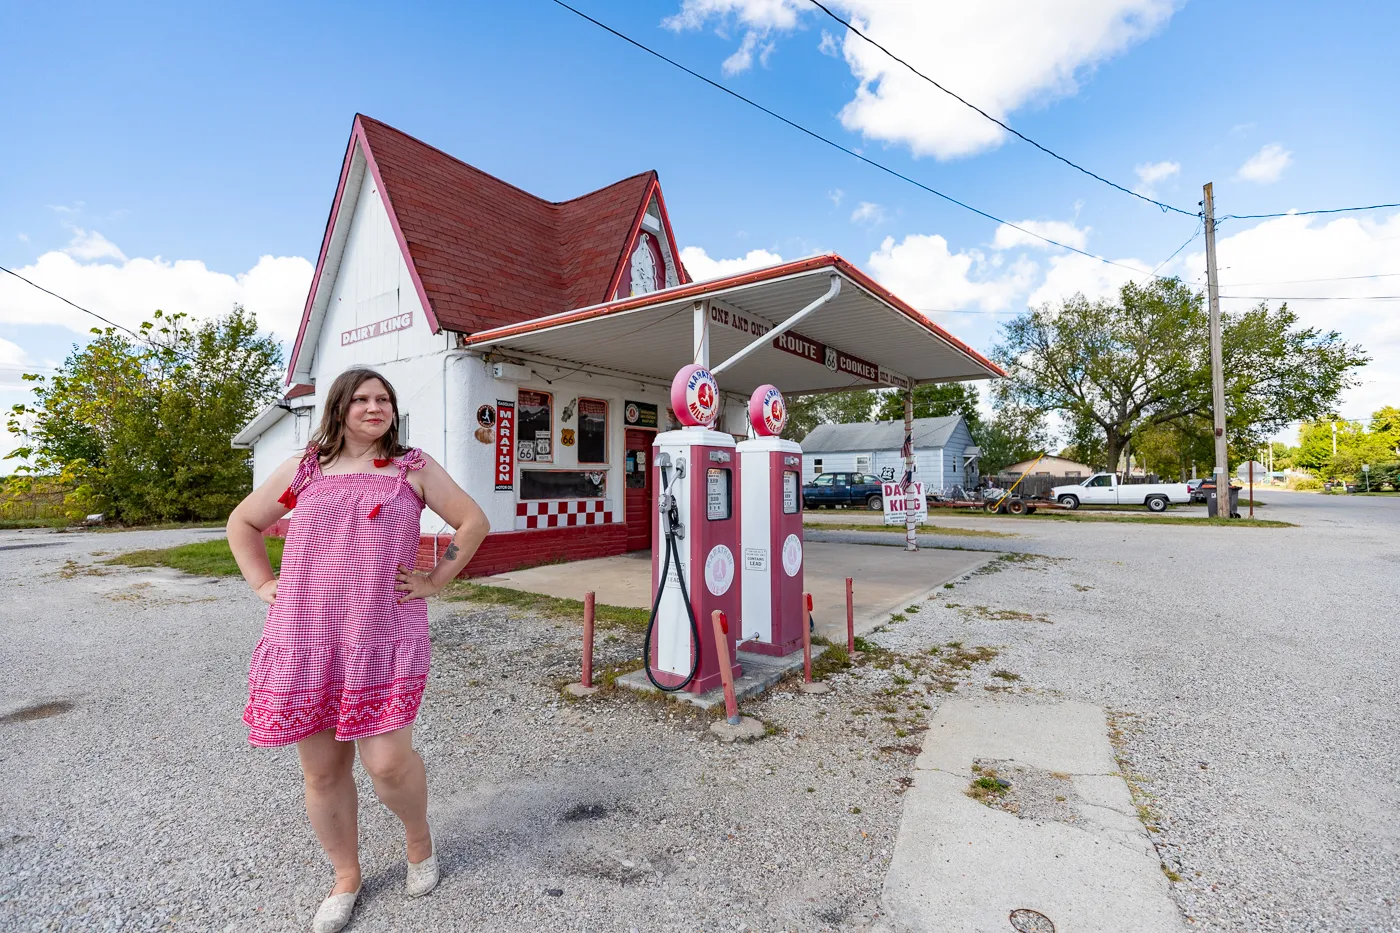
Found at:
<point>515,550</point>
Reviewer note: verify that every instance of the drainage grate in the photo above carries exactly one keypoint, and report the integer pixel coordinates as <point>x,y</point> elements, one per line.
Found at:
<point>37,711</point>
<point>1026,920</point>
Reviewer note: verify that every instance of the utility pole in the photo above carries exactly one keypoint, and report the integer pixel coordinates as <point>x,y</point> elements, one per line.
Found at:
<point>1334,440</point>
<point>1217,366</point>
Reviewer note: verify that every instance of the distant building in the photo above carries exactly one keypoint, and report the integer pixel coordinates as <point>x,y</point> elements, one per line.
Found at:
<point>1052,466</point>
<point>944,454</point>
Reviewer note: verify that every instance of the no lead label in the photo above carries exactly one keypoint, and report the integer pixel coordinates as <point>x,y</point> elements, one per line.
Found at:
<point>719,570</point>
<point>792,555</point>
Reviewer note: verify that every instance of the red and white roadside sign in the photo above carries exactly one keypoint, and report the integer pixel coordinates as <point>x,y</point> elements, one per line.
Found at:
<point>505,445</point>
<point>897,503</point>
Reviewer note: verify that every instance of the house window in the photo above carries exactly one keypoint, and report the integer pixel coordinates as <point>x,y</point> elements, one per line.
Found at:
<point>817,465</point>
<point>535,427</point>
<point>403,429</point>
<point>592,431</point>
<point>863,463</point>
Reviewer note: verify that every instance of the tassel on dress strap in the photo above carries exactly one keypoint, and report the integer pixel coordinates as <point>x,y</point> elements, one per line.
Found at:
<point>410,461</point>
<point>306,471</point>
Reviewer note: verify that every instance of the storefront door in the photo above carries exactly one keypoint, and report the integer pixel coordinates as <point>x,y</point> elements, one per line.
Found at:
<point>639,503</point>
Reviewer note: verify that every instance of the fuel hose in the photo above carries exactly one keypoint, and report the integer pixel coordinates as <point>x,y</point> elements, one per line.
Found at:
<point>671,549</point>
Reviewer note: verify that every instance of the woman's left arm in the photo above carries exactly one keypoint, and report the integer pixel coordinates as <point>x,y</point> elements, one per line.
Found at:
<point>446,498</point>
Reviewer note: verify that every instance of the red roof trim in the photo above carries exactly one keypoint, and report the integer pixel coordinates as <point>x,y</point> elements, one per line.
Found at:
<point>743,278</point>
<point>325,248</point>
<point>629,244</point>
<point>681,275</point>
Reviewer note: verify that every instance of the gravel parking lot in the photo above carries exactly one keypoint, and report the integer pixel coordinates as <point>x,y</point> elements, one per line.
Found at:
<point>1257,718</point>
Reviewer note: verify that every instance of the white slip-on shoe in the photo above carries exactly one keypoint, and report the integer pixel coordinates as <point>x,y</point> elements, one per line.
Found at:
<point>334,912</point>
<point>423,876</point>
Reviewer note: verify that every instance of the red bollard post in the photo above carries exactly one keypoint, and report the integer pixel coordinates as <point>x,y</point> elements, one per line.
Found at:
<point>807,640</point>
<point>726,673</point>
<point>850,620</point>
<point>587,678</point>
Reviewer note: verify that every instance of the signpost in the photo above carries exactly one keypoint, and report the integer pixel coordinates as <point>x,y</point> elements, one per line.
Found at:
<point>1366,472</point>
<point>898,503</point>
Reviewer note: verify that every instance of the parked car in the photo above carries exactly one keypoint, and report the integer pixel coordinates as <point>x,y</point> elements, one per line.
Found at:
<point>848,489</point>
<point>1193,488</point>
<point>1105,489</point>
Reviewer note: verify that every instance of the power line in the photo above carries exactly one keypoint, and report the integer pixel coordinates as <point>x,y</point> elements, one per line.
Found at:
<point>1330,210</point>
<point>830,142</point>
<point>1315,297</point>
<point>1014,132</point>
<point>1200,226</point>
<point>1335,278</point>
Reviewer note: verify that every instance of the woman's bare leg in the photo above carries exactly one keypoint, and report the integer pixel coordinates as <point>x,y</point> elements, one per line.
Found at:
<point>401,782</point>
<point>332,803</point>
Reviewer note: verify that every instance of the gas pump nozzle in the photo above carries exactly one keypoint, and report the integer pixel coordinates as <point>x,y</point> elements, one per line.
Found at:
<point>666,501</point>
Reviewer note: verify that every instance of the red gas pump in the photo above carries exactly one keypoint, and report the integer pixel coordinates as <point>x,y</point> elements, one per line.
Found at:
<point>771,530</point>
<point>695,542</point>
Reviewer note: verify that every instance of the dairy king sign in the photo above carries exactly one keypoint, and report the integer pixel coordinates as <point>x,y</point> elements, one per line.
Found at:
<point>377,329</point>
<point>897,503</point>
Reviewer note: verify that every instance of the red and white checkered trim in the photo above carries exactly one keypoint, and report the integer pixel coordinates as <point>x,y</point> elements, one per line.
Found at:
<point>561,513</point>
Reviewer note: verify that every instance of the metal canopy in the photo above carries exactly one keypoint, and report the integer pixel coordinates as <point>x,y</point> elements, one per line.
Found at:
<point>861,337</point>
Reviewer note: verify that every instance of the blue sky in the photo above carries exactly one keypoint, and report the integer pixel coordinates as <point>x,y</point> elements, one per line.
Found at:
<point>210,138</point>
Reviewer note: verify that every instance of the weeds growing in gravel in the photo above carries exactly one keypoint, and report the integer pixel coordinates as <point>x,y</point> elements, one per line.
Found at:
<point>634,619</point>
<point>203,558</point>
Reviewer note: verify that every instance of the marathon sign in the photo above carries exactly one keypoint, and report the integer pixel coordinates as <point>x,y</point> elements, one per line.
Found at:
<point>505,445</point>
<point>377,329</point>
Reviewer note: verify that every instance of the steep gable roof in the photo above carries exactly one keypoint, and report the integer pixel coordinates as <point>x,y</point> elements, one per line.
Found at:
<point>482,252</point>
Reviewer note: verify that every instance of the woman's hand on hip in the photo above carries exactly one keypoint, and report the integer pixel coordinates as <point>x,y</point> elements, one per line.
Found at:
<point>414,584</point>
<point>268,591</point>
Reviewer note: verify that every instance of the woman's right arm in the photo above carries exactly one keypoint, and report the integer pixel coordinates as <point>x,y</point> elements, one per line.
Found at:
<point>245,529</point>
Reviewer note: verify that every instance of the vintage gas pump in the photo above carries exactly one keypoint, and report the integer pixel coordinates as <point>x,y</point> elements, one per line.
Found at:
<point>694,541</point>
<point>771,530</point>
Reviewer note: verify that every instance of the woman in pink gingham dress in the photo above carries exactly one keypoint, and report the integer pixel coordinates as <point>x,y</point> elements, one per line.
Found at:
<point>343,659</point>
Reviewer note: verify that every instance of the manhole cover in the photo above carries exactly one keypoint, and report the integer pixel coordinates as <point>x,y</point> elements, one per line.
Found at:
<point>37,711</point>
<point>1031,921</point>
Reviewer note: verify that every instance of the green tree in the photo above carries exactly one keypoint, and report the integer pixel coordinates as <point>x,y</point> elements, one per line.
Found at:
<point>1012,435</point>
<point>140,427</point>
<point>805,412</point>
<point>1141,361</point>
<point>937,400</point>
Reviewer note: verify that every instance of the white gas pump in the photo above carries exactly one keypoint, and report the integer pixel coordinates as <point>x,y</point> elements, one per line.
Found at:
<point>771,530</point>
<point>695,542</point>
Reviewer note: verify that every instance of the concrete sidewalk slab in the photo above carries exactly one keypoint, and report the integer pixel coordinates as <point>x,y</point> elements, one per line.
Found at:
<point>886,580</point>
<point>960,865</point>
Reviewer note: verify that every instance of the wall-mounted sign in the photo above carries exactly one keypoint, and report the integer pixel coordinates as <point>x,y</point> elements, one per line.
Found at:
<point>505,445</point>
<point>566,437</point>
<point>639,414</point>
<point>486,416</point>
<point>838,361</point>
<point>377,329</point>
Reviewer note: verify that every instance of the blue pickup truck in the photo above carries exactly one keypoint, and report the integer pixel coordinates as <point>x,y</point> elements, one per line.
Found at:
<point>852,490</point>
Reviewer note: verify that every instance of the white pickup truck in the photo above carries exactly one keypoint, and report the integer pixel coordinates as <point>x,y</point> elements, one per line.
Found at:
<point>1104,489</point>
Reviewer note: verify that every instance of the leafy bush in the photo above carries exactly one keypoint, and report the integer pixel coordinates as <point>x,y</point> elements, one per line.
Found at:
<point>1304,482</point>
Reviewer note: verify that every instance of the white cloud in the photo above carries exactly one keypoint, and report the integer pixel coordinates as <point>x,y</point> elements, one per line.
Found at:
<point>14,362</point>
<point>1000,54</point>
<point>836,194</point>
<point>1266,166</point>
<point>742,59</point>
<point>1286,249</point>
<point>921,270</point>
<point>1071,272</point>
<point>702,268</point>
<point>129,290</point>
<point>1150,174</point>
<point>829,45</point>
<point>868,213</point>
<point>23,237</point>
<point>87,246</point>
<point>1061,231</point>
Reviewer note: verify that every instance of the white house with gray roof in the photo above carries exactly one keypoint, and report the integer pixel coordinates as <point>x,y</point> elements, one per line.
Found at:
<point>944,453</point>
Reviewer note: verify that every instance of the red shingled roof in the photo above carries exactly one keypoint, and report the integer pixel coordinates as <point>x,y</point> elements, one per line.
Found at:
<point>489,254</point>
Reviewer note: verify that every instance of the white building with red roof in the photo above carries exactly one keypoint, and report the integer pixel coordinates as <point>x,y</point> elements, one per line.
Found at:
<point>532,343</point>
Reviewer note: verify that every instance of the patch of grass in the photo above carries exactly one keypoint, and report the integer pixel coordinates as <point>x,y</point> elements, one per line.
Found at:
<point>911,609</point>
<point>159,526</point>
<point>203,558</point>
<point>831,661</point>
<point>15,524</point>
<point>986,788</point>
<point>633,618</point>
<point>898,617</point>
<point>897,529</point>
<point>1171,875</point>
<point>1006,675</point>
<point>947,586</point>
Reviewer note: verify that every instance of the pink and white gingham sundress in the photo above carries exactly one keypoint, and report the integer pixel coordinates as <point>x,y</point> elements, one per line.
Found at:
<point>339,650</point>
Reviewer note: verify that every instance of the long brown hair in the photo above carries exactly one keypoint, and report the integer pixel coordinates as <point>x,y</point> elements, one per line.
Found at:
<point>329,439</point>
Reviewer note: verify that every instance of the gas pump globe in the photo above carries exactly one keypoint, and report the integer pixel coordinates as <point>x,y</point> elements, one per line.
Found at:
<point>771,530</point>
<point>695,543</point>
